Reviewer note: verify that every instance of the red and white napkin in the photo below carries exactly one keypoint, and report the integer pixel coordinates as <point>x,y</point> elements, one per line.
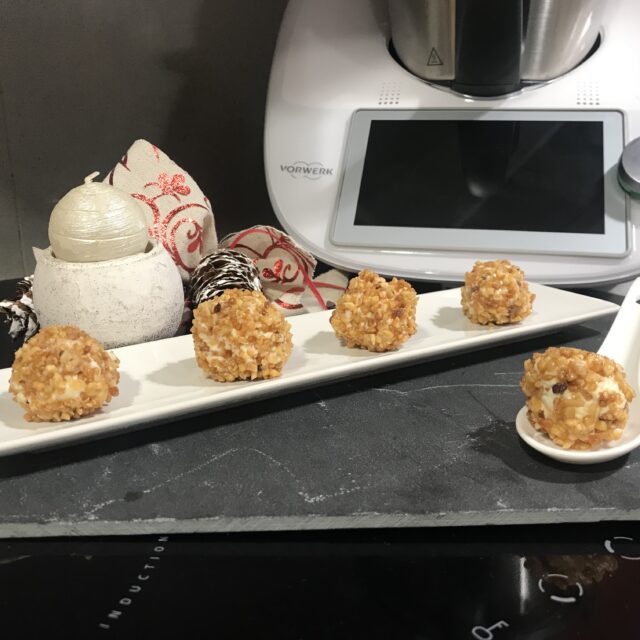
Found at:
<point>286,270</point>
<point>178,214</point>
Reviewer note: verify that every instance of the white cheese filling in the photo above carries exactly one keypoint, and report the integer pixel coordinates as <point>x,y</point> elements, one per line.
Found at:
<point>608,385</point>
<point>73,388</point>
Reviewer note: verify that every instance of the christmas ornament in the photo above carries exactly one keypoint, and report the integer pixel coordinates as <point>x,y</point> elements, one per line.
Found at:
<point>19,312</point>
<point>221,270</point>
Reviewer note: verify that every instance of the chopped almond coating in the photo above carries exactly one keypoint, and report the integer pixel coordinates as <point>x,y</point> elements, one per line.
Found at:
<point>240,335</point>
<point>496,293</point>
<point>578,398</point>
<point>375,314</point>
<point>61,374</point>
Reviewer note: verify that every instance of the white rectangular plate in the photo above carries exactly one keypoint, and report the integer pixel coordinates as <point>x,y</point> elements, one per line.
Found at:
<point>160,380</point>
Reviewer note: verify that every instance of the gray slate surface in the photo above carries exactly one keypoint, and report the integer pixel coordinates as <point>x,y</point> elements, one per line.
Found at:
<point>430,445</point>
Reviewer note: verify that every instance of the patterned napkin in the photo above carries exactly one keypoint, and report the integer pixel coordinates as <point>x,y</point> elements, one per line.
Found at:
<point>286,271</point>
<point>178,213</point>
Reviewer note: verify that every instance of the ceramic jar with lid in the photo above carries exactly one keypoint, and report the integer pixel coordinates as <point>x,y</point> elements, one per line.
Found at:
<point>103,273</point>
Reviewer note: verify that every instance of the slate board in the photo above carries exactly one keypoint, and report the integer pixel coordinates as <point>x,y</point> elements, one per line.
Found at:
<point>429,445</point>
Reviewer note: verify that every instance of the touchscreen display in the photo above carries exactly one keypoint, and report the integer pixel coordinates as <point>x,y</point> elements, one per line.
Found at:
<point>477,174</point>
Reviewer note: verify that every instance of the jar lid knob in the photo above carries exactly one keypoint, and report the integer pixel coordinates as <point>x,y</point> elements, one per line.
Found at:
<point>91,176</point>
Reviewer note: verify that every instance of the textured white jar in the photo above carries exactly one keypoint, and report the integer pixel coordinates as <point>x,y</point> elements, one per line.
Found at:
<point>119,302</point>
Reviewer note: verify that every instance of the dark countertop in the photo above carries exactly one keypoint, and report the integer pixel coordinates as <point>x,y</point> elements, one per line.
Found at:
<point>427,445</point>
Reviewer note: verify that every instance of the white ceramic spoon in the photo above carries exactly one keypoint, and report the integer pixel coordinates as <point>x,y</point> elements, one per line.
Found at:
<point>621,344</point>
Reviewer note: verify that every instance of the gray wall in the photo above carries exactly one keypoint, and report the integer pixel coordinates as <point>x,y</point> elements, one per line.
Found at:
<point>80,80</point>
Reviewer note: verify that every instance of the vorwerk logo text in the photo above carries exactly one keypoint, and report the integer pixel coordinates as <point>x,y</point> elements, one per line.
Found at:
<point>309,170</point>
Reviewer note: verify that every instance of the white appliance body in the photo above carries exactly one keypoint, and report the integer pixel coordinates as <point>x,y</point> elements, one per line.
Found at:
<point>332,60</point>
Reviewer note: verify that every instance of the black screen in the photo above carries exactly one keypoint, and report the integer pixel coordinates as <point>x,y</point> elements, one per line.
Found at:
<point>509,175</point>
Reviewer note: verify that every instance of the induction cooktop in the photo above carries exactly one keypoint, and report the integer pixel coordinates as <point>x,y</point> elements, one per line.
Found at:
<point>555,581</point>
